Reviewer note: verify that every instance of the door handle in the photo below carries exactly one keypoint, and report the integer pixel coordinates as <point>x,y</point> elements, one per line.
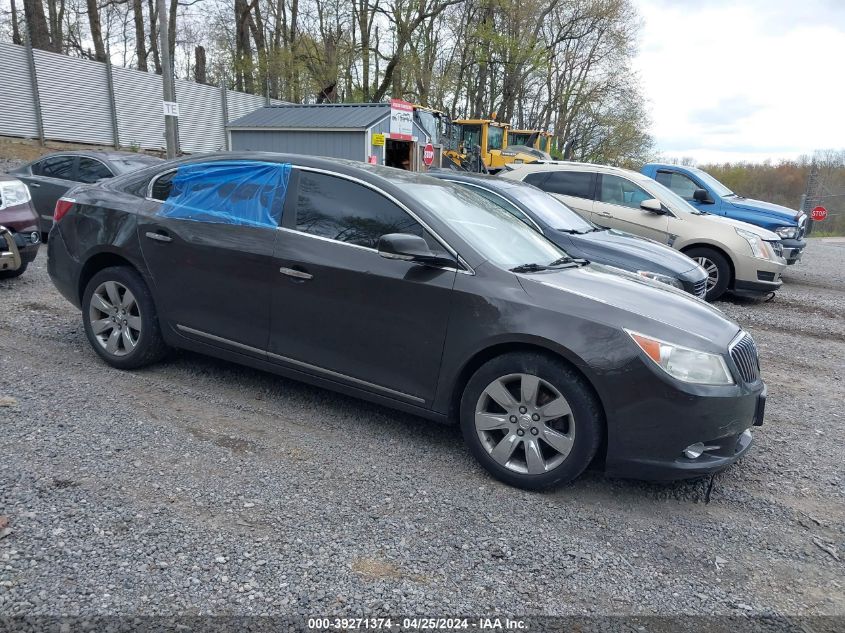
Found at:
<point>296,274</point>
<point>33,185</point>
<point>159,237</point>
<point>604,214</point>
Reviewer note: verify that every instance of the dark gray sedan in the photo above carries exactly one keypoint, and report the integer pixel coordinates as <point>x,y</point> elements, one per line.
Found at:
<point>49,177</point>
<point>415,293</point>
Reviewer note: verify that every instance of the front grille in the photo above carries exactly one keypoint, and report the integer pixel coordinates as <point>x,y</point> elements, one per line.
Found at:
<point>744,356</point>
<point>699,288</point>
<point>778,248</point>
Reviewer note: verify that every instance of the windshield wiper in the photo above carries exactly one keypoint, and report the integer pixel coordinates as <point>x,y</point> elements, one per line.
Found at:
<point>563,262</point>
<point>567,262</point>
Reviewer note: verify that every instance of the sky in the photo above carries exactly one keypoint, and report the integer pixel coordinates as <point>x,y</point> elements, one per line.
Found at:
<point>743,79</point>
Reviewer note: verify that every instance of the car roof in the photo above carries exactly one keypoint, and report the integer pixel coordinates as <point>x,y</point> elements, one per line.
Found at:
<point>346,166</point>
<point>565,165</point>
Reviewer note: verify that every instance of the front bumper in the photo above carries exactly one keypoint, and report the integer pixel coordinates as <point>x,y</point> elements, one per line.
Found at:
<point>650,428</point>
<point>754,276</point>
<point>792,250</point>
<point>10,255</point>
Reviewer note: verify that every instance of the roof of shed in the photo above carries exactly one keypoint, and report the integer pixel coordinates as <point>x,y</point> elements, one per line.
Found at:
<point>352,116</point>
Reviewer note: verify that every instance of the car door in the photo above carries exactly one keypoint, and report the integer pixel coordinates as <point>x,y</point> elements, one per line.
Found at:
<point>50,179</point>
<point>617,206</point>
<point>340,310</point>
<point>213,272</point>
<point>574,188</point>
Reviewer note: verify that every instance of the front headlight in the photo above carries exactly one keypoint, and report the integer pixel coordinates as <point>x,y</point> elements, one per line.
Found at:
<point>683,363</point>
<point>787,232</point>
<point>13,193</point>
<point>664,279</point>
<point>759,247</point>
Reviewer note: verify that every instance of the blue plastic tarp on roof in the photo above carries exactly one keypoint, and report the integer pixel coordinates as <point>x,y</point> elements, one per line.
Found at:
<point>229,192</point>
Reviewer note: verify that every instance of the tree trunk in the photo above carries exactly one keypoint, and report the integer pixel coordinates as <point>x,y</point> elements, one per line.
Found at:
<point>140,38</point>
<point>171,32</point>
<point>200,66</point>
<point>39,36</point>
<point>16,31</point>
<point>96,30</point>
<point>153,15</point>
<point>55,22</point>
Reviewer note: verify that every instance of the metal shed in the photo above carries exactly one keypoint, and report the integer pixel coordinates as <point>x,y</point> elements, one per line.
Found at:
<point>357,131</point>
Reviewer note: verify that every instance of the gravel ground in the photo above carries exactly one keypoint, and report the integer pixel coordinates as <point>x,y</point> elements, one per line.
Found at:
<point>201,487</point>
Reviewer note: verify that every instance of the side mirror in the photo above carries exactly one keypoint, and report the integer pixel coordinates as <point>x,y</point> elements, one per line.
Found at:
<point>410,248</point>
<point>701,195</point>
<point>652,205</point>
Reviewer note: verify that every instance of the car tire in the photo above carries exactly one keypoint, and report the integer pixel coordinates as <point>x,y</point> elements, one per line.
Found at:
<point>713,263</point>
<point>120,319</point>
<point>531,420</point>
<point>11,274</point>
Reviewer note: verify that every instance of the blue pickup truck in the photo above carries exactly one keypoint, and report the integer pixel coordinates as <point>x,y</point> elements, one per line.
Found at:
<point>706,193</point>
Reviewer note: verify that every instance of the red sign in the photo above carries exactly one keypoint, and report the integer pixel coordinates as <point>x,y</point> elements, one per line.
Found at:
<point>428,155</point>
<point>372,159</point>
<point>818,214</point>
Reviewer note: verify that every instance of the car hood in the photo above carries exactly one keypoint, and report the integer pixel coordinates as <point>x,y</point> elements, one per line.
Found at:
<point>629,251</point>
<point>630,301</point>
<point>769,209</point>
<point>764,234</point>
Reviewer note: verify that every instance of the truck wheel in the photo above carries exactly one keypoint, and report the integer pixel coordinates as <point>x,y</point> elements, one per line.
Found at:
<point>531,420</point>
<point>717,268</point>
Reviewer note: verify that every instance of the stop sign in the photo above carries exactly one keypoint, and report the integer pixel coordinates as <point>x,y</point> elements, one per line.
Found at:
<point>818,214</point>
<point>428,155</point>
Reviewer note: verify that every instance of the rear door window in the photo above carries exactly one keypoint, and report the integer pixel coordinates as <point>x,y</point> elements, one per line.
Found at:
<point>578,184</point>
<point>91,170</point>
<point>57,167</point>
<point>250,193</point>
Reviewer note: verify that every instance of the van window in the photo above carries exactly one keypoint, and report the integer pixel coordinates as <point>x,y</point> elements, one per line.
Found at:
<point>578,184</point>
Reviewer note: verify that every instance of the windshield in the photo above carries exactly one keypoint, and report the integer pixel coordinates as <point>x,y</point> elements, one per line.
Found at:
<point>550,210</point>
<point>488,228</point>
<point>470,136</point>
<point>495,136</point>
<point>718,188</point>
<point>430,123</point>
<point>515,138</point>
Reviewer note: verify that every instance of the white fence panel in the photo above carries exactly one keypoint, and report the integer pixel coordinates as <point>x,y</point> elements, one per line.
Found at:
<point>140,118</point>
<point>200,117</point>
<point>17,106</point>
<point>75,102</point>
<point>241,103</point>
<point>78,105</point>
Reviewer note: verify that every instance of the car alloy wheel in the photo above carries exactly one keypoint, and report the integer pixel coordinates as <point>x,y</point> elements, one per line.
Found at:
<point>525,424</point>
<point>711,269</point>
<point>115,318</point>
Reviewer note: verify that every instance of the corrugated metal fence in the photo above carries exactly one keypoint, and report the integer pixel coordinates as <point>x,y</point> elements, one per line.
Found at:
<point>84,101</point>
